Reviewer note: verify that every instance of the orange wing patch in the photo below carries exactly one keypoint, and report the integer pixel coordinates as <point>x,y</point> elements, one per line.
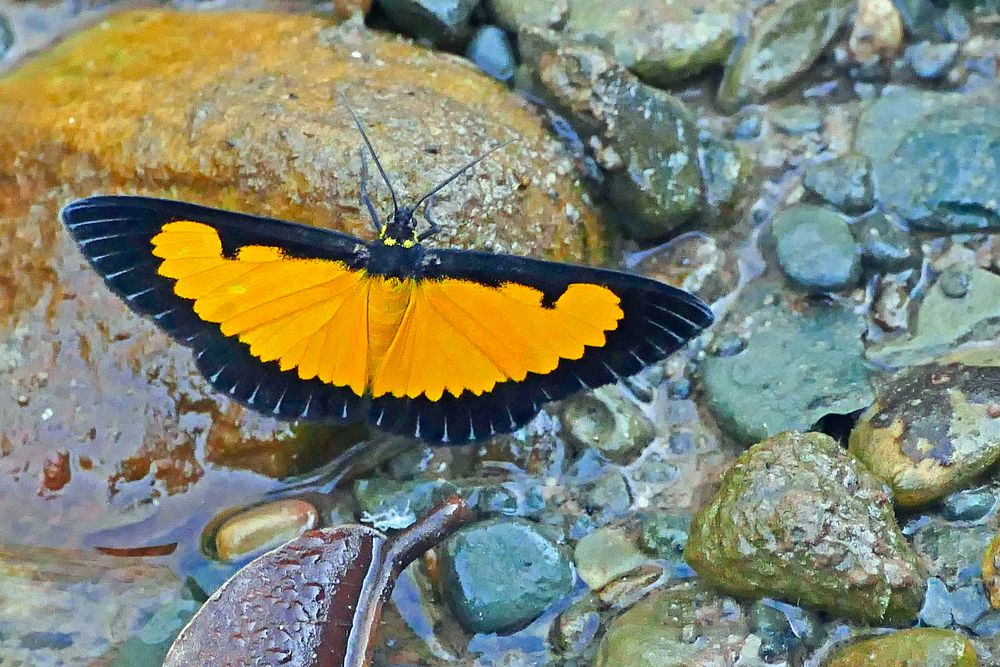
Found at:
<point>458,335</point>
<point>383,335</point>
<point>307,314</point>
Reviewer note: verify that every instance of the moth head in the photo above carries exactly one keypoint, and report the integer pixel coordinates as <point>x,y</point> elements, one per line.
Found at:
<point>401,229</point>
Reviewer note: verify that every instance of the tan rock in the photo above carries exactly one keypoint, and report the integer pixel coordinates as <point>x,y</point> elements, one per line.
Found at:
<point>877,31</point>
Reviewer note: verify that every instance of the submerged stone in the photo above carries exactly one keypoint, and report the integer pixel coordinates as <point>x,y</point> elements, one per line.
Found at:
<point>785,40</point>
<point>921,646</point>
<point>798,519</point>
<point>757,391</point>
<point>944,320</point>
<point>491,51</point>
<point>605,555</point>
<point>45,591</point>
<point>931,431</point>
<point>516,14</point>
<point>500,575</point>
<point>264,527</point>
<point>607,421</point>
<point>885,246</point>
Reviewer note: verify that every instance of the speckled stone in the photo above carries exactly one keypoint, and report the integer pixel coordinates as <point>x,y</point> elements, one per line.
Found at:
<point>953,438</point>
<point>798,519</point>
<point>927,647</point>
<point>787,37</point>
<point>844,182</point>
<point>607,421</point>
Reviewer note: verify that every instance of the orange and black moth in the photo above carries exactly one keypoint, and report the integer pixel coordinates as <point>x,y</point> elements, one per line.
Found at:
<point>445,345</point>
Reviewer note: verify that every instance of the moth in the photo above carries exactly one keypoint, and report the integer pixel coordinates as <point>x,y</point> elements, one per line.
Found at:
<point>305,323</point>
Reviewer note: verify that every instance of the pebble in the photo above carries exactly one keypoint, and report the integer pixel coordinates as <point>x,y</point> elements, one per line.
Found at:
<point>816,249</point>
<point>608,498</point>
<point>492,52</point>
<point>577,627</point>
<point>937,608</point>
<point>797,119</point>
<point>969,603</point>
<point>891,309</point>
<point>607,421</point>
<point>885,245</point>
<point>845,182</point>
<point>877,31</point>
<point>931,61</point>
<point>665,535</point>
<point>499,575</point>
<point>954,282</point>
<point>969,504</point>
<point>783,628</point>
<point>748,126</point>
<point>264,527</point>
<point>788,37</point>
<point>605,555</point>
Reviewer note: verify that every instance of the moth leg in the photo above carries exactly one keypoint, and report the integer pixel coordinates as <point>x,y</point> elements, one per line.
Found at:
<point>365,199</point>
<point>434,227</point>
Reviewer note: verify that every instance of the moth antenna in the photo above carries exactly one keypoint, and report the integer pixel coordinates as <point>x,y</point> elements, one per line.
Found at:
<point>440,186</point>
<point>371,149</point>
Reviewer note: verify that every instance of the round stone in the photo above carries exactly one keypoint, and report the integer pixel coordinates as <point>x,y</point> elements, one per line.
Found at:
<point>816,249</point>
<point>501,574</point>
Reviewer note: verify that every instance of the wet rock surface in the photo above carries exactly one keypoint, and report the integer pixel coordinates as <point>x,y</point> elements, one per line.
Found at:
<point>646,140</point>
<point>654,632</point>
<point>827,374</point>
<point>659,41</point>
<point>951,440</point>
<point>934,158</point>
<point>797,519</point>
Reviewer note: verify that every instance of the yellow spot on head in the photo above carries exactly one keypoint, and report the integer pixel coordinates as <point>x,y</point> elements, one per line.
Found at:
<point>409,243</point>
<point>389,241</point>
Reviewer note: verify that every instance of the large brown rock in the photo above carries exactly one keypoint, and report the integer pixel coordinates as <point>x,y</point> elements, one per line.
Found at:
<point>238,110</point>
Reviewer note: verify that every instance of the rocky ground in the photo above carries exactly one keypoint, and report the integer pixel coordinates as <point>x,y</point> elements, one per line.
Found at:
<point>811,482</point>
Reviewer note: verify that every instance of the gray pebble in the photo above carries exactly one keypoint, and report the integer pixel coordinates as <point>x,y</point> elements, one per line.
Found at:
<point>931,61</point>
<point>492,52</point>
<point>936,611</point>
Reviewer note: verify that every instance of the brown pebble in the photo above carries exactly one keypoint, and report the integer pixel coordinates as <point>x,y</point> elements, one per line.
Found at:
<point>56,473</point>
<point>993,410</point>
<point>264,526</point>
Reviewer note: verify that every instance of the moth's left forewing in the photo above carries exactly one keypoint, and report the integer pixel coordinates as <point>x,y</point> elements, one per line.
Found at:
<point>218,281</point>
